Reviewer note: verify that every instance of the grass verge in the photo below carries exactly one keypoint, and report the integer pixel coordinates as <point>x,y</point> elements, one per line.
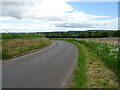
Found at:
<point>99,76</point>
<point>80,78</point>
<point>16,47</point>
<point>109,54</point>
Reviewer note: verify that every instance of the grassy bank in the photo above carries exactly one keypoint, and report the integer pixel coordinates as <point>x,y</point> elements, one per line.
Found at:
<point>109,54</point>
<point>16,47</point>
<point>99,76</point>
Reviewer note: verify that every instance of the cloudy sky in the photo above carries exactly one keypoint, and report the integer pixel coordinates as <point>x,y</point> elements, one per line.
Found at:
<point>58,15</point>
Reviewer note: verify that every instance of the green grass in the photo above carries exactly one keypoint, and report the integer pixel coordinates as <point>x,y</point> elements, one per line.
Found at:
<point>109,54</point>
<point>8,36</point>
<point>80,77</point>
<point>16,47</point>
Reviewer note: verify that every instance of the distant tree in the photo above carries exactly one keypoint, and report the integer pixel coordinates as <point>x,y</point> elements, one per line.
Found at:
<point>105,34</point>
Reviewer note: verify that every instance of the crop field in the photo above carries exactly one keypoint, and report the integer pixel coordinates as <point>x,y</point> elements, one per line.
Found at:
<point>115,40</point>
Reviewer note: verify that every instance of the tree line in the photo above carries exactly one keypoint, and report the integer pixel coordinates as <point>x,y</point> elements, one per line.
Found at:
<point>82,34</point>
<point>69,34</point>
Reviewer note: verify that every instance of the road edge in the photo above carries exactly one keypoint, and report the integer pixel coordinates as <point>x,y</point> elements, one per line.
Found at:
<point>69,78</point>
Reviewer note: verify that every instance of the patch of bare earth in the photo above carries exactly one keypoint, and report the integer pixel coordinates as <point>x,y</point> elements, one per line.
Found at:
<point>99,76</point>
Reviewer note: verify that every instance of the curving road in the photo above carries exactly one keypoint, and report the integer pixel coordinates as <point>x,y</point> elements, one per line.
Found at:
<point>50,67</point>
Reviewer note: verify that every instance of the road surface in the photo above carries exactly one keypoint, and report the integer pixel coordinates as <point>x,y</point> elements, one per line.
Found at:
<point>46,68</point>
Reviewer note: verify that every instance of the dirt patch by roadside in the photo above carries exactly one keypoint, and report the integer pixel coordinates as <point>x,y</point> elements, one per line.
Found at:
<point>99,75</point>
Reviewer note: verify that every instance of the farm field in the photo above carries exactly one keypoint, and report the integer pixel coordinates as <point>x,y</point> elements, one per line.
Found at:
<point>111,40</point>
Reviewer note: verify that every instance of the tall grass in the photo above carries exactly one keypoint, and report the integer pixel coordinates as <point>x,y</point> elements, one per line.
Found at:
<point>109,53</point>
<point>17,47</point>
<point>15,44</point>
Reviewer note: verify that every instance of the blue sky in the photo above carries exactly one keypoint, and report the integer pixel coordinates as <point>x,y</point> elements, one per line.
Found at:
<point>97,8</point>
<point>62,15</point>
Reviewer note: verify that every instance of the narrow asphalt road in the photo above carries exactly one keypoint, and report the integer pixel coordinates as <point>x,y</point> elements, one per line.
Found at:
<point>47,68</point>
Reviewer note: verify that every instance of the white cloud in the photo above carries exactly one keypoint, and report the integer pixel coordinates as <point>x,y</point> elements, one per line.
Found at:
<point>36,8</point>
<point>50,15</point>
